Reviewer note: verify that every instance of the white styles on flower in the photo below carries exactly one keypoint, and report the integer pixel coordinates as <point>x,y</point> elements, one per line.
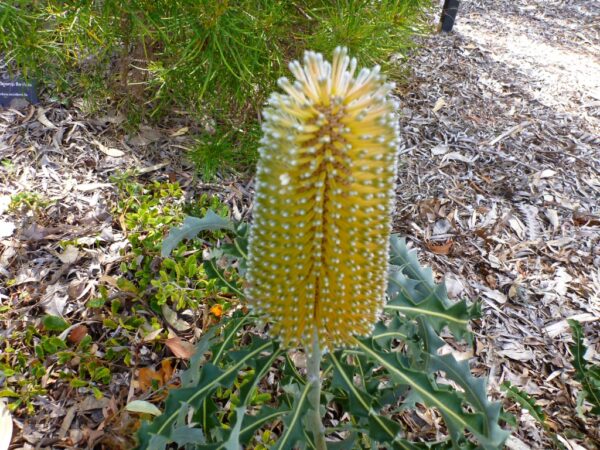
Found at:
<point>319,243</point>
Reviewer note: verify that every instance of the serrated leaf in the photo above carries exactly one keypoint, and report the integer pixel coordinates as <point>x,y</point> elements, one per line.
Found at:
<point>385,333</point>
<point>243,428</point>
<point>526,401</point>
<point>213,272</point>
<point>187,435</point>
<point>448,402</point>
<point>379,427</point>
<point>293,422</point>
<point>144,407</point>
<point>475,389</point>
<point>191,227</point>
<point>414,293</point>
<point>589,377</point>
<point>228,335</point>
<point>238,248</point>
<point>361,403</point>
<point>253,423</point>
<point>191,376</point>
<point>209,380</point>
<point>347,443</point>
<point>233,441</point>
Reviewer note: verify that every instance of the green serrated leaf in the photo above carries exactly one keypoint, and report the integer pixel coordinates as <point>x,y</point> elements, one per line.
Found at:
<point>239,247</point>
<point>241,429</point>
<point>449,403</point>
<point>361,404</point>
<point>228,335</point>
<point>191,227</point>
<point>525,400</point>
<point>384,333</point>
<point>475,389</point>
<point>214,273</point>
<point>191,376</point>
<point>209,380</point>
<point>379,428</point>
<point>253,423</point>
<point>187,435</point>
<point>589,377</point>
<point>347,443</point>
<point>233,441</point>
<point>414,293</point>
<point>293,430</point>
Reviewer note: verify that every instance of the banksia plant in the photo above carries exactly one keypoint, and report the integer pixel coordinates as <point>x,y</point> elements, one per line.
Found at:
<point>318,251</point>
<point>317,271</point>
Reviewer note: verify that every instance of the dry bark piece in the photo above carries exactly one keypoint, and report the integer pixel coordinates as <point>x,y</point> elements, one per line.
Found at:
<point>77,334</point>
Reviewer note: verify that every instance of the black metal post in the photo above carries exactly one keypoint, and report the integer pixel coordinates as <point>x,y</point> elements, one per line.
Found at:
<point>449,14</point>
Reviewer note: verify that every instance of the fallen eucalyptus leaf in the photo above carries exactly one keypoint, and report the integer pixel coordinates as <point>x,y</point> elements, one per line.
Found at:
<point>144,407</point>
<point>173,320</point>
<point>6,427</point>
<point>109,151</point>
<point>180,348</point>
<point>41,117</point>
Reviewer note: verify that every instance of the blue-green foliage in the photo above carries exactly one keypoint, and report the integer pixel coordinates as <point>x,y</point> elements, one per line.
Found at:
<point>374,382</point>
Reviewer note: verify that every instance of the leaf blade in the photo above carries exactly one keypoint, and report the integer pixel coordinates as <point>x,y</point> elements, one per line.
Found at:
<point>190,228</point>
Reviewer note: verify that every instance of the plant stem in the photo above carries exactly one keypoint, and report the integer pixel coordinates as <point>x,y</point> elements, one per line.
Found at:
<point>313,368</point>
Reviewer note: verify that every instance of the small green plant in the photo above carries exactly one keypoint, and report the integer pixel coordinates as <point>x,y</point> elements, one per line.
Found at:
<point>147,212</point>
<point>45,347</point>
<point>526,402</point>
<point>235,148</point>
<point>28,202</point>
<point>587,374</point>
<point>317,266</point>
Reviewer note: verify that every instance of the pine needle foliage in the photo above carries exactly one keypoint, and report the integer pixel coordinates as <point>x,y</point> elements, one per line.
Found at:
<point>219,57</point>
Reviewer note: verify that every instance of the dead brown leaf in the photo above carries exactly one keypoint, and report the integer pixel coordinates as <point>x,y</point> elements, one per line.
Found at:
<point>180,348</point>
<point>440,249</point>
<point>146,375</point>
<point>166,370</point>
<point>77,334</point>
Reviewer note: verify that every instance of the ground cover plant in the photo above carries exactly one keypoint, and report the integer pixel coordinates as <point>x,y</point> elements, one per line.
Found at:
<point>137,306</point>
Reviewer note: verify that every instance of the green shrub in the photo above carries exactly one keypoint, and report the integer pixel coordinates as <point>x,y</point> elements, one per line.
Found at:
<point>210,58</point>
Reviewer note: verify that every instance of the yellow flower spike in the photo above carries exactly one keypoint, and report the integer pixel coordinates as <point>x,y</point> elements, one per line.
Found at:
<point>318,252</point>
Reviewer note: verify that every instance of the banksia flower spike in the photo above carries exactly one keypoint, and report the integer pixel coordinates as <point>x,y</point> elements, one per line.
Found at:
<point>318,253</point>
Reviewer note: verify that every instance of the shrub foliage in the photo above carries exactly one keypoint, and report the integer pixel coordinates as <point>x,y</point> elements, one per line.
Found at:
<point>209,56</point>
<point>242,389</point>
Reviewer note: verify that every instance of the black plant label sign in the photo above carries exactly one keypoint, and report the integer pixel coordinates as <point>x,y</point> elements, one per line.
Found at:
<point>15,88</point>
